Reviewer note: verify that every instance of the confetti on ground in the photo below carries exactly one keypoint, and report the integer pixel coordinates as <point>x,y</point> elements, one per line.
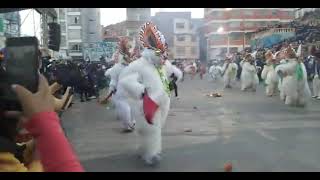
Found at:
<point>214,94</point>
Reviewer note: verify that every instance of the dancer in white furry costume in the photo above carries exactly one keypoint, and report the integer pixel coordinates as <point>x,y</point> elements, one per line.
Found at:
<point>269,74</point>
<point>146,82</point>
<point>215,71</point>
<point>280,59</point>
<point>119,98</point>
<point>295,88</point>
<point>229,72</point>
<point>249,77</point>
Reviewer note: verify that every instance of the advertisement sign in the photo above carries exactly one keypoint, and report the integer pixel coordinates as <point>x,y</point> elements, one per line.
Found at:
<point>101,49</point>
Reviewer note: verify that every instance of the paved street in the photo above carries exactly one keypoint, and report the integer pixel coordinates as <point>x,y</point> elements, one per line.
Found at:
<point>254,132</point>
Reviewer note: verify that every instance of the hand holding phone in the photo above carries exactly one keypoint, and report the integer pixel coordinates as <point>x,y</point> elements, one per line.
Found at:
<point>20,66</point>
<point>32,103</point>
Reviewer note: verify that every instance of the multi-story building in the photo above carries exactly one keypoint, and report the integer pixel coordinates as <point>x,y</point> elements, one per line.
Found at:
<point>227,28</point>
<point>80,28</point>
<point>136,17</point>
<point>9,26</point>
<point>180,32</point>
<point>299,12</point>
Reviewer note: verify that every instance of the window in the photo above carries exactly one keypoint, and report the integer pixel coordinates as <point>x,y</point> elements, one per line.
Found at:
<point>235,13</point>
<point>75,47</point>
<point>73,9</point>
<point>234,24</point>
<point>274,12</point>
<point>180,25</point>
<point>181,50</point>
<point>291,13</point>
<point>74,20</point>
<point>249,24</point>
<point>74,34</point>
<point>263,12</point>
<point>181,38</point>
<point>235,36</point>
<point>217,13</point>
<point>248,12</point>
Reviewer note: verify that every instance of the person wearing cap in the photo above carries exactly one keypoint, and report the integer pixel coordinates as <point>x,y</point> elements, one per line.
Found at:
<point>146,83</point>
<point>119,99</point>
<point>268,74</point>
<point>249,77</point>
<point>294,84</point>
<point>229,72</point>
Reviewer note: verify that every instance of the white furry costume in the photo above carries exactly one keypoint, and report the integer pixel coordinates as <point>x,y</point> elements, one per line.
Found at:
<point>269,76</point>
<point>119,98</point>
<point>215,72</point>
<point>293,90</point>
<point>280,80</point>
<point>249,77</point>
<point>230,73</point>
<point>172,69</point>
<point>147,74</point>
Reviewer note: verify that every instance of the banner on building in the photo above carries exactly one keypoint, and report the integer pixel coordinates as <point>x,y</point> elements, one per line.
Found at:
<point>103,49</point>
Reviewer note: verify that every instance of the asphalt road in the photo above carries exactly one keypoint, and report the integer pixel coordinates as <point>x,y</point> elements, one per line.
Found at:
<point>248,129</point>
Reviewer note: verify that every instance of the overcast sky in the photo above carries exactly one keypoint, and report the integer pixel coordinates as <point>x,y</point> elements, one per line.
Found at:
<point>115,15</point>
<point>108,16</point>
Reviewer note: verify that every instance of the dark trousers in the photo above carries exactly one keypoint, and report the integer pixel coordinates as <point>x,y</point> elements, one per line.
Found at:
<point>175,89</point>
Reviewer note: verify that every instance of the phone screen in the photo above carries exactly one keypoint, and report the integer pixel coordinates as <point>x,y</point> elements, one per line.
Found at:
<point>19,67</point>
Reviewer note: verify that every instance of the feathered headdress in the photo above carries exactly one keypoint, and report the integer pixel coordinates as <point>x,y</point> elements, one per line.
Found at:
<point>269,55</point>
<point>151,37</point>
<point>123,46</point>
<point>291,53</point>
<point>254,54</point>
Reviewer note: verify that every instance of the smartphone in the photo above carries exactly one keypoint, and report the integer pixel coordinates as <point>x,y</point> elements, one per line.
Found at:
<point>20,66</point>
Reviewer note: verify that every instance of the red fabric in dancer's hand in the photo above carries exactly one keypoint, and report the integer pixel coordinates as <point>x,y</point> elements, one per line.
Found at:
<point>149,108</point>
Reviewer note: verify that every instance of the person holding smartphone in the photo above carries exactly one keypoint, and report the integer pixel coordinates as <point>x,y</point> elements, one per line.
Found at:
<point>52,151</point>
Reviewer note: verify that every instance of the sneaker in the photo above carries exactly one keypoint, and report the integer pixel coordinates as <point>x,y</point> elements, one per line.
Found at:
<point>153,161</point>
<point>128,130</point>
<point>314,96</point>
<point>93,97</point>
<point>318,98</point>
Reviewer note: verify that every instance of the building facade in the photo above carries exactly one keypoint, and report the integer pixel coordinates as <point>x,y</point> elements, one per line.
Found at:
<point>80,28</point>
<point>9,26</point>
<point>299,12</point>
<point>227,28</point>
<point>181,34</point>
<point>136,17</point>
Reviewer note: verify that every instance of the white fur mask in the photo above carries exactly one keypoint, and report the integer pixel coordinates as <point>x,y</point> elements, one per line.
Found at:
<point>150,56</point>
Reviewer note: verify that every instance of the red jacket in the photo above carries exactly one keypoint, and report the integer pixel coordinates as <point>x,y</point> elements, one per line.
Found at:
<point>55,152</point>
